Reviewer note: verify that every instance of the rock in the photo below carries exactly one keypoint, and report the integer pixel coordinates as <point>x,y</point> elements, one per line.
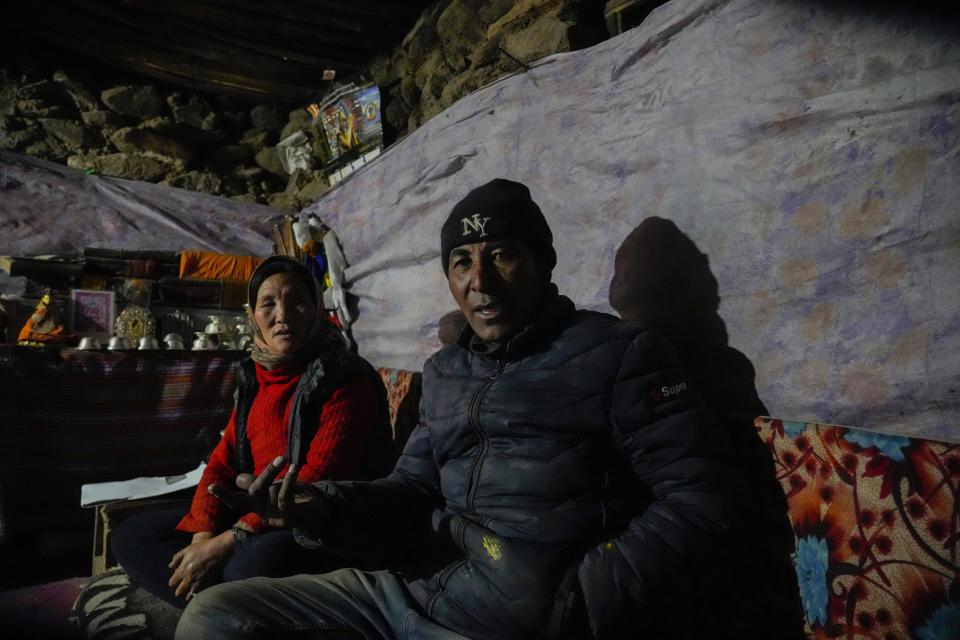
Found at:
<point>409,91</point>
<point>236,120</point>
<point>108,121</point>
<point>487,53</point>
<point>313,190</point>
<point>48,148</point>
<point>321,149</point>
<point>386,70</point>
<point>267,118</point>
<point>122,165</point>
<point>226,159</point>
<point>292,127</point>
<point>457,88</point>
<point>431,65</point>
<point>249,174</point>
<point>396,114</point>
<point>297,179</point>
<point>460,32</point>
<point>82,98</point>
<point>269,159</point>
<point>46,91</point>
<point>459,21</point>
<point>257,139</point>
<point>192,110</point>
<point>141,100</point>
<point>438,80</point>
<point>301,117</point>
<point>74,135</point>
<point>545,36</point>
<point>523,12</point>
<point>16,134</point>
<point>421,41</point>
<point>429,107</point>
<point>490,11</point>
<point>8,104</point>
<point>153,145</point>
<point>231,186</point>
<point>41,109</point>
<point>284,201</point>
<point>455,55</point>
<point>185,134</point>
<point>203,181</point>
<point>246,198</point>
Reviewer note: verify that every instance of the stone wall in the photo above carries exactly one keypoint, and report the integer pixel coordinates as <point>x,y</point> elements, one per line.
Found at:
<point>458,46</point>
<point>157,134</point>
<point>142,130</point>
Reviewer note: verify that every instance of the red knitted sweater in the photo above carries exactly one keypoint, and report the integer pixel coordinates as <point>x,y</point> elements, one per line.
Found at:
<point>334,453</point>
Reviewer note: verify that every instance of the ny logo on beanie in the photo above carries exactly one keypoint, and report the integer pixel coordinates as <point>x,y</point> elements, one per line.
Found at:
<point>475,224</point>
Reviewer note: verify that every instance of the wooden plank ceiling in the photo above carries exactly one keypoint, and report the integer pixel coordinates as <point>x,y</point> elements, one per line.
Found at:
<point>272,51</point>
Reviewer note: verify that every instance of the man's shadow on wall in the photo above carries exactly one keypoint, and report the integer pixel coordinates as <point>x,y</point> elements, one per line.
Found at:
<point>663,281</point>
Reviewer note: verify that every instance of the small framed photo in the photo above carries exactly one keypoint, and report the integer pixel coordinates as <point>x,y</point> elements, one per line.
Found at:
<point>92,312</point>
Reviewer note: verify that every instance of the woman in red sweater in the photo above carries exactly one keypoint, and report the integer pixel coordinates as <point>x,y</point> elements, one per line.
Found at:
<point>302,395</point>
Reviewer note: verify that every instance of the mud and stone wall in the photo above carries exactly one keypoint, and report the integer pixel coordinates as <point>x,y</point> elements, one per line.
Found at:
<point>115,124</point>
<point>458,46</point>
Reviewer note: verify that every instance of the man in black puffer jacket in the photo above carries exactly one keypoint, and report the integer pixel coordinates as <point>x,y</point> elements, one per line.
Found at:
<point>571,484</point>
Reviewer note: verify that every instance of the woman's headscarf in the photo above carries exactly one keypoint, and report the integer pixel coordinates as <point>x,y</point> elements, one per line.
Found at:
<point>321,335</point>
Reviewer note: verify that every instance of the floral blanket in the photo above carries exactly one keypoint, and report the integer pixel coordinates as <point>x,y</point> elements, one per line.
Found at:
<point>877,525</point>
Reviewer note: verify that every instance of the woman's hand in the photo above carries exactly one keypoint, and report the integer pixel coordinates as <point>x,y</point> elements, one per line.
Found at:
<point>192,563</point>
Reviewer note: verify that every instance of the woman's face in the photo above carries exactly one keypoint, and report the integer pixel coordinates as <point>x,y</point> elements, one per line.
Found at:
<point>283,313</point>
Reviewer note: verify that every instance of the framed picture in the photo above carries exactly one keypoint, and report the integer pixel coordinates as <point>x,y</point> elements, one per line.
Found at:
<point>91,312</point>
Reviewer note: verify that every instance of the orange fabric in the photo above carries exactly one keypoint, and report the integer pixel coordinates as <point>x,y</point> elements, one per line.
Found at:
<point>207,265</point>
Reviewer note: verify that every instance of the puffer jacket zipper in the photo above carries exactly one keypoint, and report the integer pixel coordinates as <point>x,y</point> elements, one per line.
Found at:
<point>484,440</point>
<point>444,575</point>
<point>474,417</point>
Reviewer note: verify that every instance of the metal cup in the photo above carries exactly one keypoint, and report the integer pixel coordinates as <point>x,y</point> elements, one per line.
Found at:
<point>202,343</point>
<point>89,343</point>
<point>118,343</point>
<point>148,343</point>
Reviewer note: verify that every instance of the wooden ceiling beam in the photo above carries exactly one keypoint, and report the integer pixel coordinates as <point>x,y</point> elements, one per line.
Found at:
<point>263,51</point>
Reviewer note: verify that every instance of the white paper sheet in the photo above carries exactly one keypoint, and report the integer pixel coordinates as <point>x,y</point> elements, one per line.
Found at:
<point>136,488</point>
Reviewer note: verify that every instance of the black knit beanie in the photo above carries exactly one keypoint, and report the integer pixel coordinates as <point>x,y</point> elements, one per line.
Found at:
<point>499,209</point>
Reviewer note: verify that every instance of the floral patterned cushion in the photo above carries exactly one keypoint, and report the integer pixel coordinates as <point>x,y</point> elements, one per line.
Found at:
<point>877,525</point>
<point>403,400</point>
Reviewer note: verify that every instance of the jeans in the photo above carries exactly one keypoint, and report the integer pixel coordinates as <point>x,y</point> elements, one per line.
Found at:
<point>145,543</point>
<point>348,604</point>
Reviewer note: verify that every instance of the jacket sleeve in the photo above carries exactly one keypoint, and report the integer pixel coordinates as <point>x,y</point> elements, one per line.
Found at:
<point>401,503</point>
<point>683,458</point>
<point>207,513</point>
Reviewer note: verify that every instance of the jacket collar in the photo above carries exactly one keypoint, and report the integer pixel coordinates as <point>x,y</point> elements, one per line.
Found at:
<point>554,312</point>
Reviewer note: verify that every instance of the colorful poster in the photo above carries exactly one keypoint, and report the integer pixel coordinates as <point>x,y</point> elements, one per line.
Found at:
<point>350,119</point>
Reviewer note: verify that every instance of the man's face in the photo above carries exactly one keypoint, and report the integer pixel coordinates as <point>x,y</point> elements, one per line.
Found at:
<point>498,286</point>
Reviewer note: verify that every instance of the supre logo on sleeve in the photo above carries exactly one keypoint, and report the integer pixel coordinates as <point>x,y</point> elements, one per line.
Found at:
<point>668,391</point>
<point>475,224</point>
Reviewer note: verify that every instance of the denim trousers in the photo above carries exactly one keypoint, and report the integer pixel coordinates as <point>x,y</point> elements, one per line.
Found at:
<point>347,604</point>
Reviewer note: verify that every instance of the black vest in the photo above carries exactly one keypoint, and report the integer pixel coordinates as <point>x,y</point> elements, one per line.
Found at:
<point>322,377</point>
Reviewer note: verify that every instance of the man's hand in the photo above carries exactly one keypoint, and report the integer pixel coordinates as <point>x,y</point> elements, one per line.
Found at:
<point>285,504</point>
<point>192,563</point>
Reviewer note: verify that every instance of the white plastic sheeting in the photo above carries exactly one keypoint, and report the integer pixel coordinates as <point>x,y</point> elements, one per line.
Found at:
<point>47,208</point>
<point>809,149</point>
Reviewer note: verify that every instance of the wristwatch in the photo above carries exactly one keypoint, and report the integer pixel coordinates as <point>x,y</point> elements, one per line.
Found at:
<point>239,535</point>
